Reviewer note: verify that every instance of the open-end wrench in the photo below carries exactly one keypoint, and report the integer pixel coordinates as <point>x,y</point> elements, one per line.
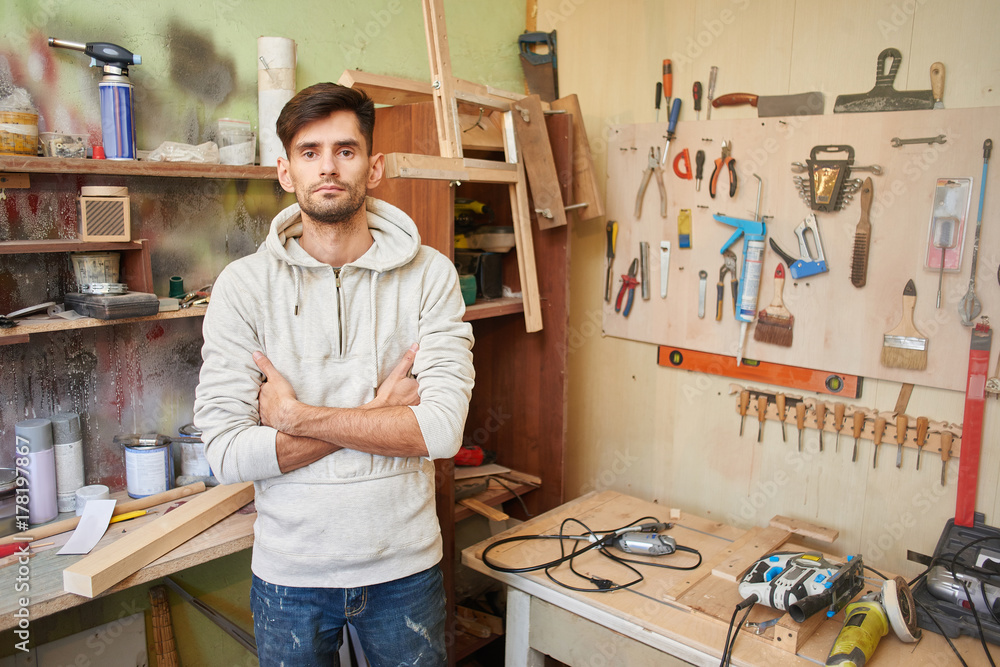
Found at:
<point>872,168</point>
<point>939,139</point>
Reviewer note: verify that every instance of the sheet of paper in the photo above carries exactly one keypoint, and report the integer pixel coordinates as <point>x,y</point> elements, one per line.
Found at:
<point>93,524</point>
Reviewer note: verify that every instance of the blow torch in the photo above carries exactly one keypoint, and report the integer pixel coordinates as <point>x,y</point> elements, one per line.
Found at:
<point>117,108</point>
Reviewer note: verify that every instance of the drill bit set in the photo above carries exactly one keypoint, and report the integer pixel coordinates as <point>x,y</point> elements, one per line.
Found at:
<point>860,423</point>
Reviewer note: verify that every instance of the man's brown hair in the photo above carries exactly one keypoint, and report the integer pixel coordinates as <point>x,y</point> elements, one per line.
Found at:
<point>319,101</point>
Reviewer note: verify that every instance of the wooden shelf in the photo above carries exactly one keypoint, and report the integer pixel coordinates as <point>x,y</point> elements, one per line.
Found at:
<point>21,333</point>
<point>493,497</point>
<point>493,308</point>
<point>50,165</point>
<point>64,245</point>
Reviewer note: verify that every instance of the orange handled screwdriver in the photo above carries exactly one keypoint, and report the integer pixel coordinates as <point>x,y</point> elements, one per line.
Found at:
<point>668,81</point>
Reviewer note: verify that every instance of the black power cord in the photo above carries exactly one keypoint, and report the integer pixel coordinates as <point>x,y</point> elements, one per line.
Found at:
<point>727,648</point>
<point>599,540</point>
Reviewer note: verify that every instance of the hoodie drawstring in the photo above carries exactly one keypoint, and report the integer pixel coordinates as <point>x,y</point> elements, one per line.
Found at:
<point>373,329</point>
<point>296,271</point>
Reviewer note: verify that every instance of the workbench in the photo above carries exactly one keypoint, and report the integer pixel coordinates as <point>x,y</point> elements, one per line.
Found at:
<point>672,617</point>
<point>45,577</point>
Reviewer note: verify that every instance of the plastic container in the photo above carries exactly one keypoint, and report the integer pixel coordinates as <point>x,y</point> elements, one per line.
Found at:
<point>96,267</point>
<point>113,306</point>
<point>237,142</point>
<point>58,144</point>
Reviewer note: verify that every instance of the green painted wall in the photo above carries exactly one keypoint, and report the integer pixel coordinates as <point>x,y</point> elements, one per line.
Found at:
<point>199,64</point>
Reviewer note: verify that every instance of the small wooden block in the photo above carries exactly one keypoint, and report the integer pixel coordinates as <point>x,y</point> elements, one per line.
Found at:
<point>790,636</point>
<point>805,529</point>
<point>675,514</point>
<point>15,181</point>
<point>536,154</point>
<point>522,477</point>
<point>491,513</point>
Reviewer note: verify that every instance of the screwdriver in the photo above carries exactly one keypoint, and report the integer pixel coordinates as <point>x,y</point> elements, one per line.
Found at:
<point>744,404</point>
<point>675,111</point>
<point>712,75</point>
<point>761,415</point>
<point>946,437</point>
<point>699,161</point>
<point>659,94</point>
<point>902,425</point>
<point>859,426</point>
<point>820,421</point>
<point>877,440</point>
<point>779,400</point>
<point>668,81</point>
<point>838,422</point>
<point>612,228</point>
<point>922,424</point>
<point>800,419</point>
<point>696,92</point>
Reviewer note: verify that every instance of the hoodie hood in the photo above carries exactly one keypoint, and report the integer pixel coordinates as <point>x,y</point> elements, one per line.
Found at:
<point>397,240</point>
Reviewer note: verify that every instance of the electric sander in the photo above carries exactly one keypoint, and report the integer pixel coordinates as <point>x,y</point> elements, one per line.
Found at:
<point>869,619</point>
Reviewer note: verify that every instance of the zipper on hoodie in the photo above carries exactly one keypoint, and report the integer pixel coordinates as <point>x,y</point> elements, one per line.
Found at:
<point>340,320</point>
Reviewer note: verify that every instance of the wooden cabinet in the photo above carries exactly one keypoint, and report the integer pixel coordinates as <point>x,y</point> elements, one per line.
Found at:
<point>518,405</point>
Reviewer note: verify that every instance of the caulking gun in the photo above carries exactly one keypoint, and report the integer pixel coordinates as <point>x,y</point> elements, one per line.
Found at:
<point>117,109</point>
<point>753,233</point>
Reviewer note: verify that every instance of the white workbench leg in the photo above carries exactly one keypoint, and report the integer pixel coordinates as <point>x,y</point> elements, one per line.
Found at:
<point>518,647</point>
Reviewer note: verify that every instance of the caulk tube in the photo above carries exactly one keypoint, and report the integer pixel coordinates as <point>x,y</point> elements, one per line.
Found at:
<point>753,266</point>
<point>34,439</point>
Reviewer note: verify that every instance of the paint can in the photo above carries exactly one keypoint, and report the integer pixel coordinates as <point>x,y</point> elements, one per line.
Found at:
<point>193,462</point>
<point>149,464</point>
<point>33,440</point>
<point>117,117</point>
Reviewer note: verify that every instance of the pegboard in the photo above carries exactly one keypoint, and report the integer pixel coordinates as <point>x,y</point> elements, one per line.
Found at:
<point>837,326</point>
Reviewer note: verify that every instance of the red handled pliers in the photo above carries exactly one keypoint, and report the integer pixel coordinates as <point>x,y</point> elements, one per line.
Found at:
<point>629,283</point>
<point>721,164</point>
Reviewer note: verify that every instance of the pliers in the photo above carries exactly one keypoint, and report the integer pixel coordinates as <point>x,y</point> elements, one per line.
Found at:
<point>652,168</point>
<point>728,266</point>
<point>629,283</point>
<point>723,163</point>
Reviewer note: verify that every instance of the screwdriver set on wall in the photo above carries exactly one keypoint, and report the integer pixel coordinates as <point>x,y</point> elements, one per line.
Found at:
<point>852,423</point>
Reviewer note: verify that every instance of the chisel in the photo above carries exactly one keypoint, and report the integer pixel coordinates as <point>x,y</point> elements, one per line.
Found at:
<point>838,422</point>
<point>859,426</point>
<point>761,416</point>
<point>800,420</point>
<point>922,424</point>
<point>820,421</point>
<point>902,425</point>
<point>946,437</point>
<point>877,439</point>
<point>744,404</point>
<point>779,401</point>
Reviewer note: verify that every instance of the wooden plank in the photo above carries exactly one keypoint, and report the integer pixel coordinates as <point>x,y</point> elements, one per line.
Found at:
<point>432,167</point>
<point>494,623</point>
<point>57,527</point>
<point>390,90</point>
<point>23,332</point>
<point>585,185</point>
<point>481,508</point>
<point>765,541</point>
<point>99,571</point>
<point>51,165</point>
<point>805,529</point>
<point>559,128</point>
<point>536,154</point>
<point>18,247</point>
<point>443,84</point>
<point>526,269</point>
<point>481,133</point>
<point>692,578</point>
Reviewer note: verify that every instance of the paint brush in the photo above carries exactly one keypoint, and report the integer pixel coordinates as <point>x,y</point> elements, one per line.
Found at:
<point>904,346</point>
<point>774,323</point>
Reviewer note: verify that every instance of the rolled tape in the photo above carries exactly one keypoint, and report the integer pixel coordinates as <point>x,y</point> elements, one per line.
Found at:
<point>92,492</point>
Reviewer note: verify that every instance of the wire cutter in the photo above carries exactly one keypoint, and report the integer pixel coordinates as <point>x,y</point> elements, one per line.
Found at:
<point>652,168</point>
<point>629,284</point>
<point>723,163</point>
<point>728,266</point>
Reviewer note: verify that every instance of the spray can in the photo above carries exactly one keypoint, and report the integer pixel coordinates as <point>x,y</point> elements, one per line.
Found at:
<point>117,107</point>
<point>33,438</point>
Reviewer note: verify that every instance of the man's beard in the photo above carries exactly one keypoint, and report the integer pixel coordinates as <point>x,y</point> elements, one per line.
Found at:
<point>332,211</point>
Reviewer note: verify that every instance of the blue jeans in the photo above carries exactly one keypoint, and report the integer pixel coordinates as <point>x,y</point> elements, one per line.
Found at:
<point>399,622</point>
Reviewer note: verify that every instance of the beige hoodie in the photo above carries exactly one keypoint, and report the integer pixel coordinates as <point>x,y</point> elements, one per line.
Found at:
<point>350,519</point>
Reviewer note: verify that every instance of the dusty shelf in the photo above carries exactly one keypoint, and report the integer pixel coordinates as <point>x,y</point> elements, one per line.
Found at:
<point>50,165</point>
<point>22,333</point>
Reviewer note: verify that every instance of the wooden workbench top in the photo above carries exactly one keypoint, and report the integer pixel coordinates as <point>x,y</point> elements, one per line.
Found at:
<point>45,569</point>
<point>689,607</point>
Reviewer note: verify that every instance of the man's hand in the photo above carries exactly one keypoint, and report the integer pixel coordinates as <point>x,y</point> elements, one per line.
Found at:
<point>277,397</point>
<point>399,388</point>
